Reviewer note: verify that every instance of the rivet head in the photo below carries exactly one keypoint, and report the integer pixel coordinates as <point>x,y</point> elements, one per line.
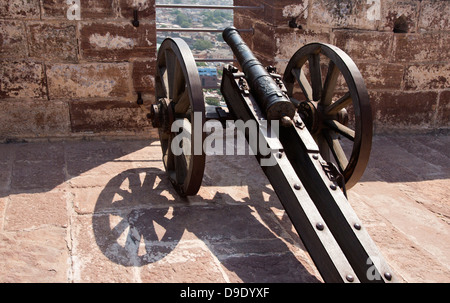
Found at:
<point>388,276</point>
<point>333,187</point>
<point>320,226</point>
<point>315,156</point>
<point>297,186</point>
<point>357,226</point>
<point>279,155</point>
<point>350,278</point>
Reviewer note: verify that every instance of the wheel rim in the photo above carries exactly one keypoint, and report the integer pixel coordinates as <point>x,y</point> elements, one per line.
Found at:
<point>179,98</point>
<point>326,100</point>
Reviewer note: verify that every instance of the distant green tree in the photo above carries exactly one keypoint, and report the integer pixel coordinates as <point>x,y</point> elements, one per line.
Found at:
<point>207,23</point>
<point>212,101</point>
<point>182,19</point>
<point>202,44</point>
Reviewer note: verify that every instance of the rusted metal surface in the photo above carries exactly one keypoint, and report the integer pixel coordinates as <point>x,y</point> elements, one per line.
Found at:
<point>269,95</point>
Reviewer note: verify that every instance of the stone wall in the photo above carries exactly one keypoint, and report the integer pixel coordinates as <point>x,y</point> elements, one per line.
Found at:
<point>72,68</point>
<point>402,48</point>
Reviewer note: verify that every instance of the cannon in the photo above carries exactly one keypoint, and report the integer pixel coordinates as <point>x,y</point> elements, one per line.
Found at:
<point>316,123</point>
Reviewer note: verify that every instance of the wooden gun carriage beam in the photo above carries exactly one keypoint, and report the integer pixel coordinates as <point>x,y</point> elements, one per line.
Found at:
<point>310,169</point>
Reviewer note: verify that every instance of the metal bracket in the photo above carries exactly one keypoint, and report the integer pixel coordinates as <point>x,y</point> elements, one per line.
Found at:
<point>333,174</point>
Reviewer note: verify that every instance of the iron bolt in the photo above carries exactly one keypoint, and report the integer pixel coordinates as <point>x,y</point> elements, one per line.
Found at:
<point>333,187</point>
<point>315,156</point>
<point>388,276</point>
<point>357,226</point>
<point>350,278</point>
<point>297,186</point>
<point>279,155</point>
<point>320,226</point>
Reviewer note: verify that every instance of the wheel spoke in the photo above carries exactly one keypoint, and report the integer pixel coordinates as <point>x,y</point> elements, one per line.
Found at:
<point>323,146</point>
<point>336,106</point>
<point>341,129</point>
<point>182,157</point>
<point>161,82</point>
<point>330,83</point>
<point>303,82</point>
<point>170,64</point>
<point>168,156</point>
<point>179,84</point>
<point>316,75</point>
<point>180,168</point>
<point>336,150</point>
<point>183,103</point>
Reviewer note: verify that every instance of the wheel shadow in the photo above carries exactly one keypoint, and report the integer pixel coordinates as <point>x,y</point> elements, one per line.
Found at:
<point>139,220</point>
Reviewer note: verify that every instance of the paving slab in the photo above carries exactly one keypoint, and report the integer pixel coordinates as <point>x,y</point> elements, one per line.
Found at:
<point>104,211</point>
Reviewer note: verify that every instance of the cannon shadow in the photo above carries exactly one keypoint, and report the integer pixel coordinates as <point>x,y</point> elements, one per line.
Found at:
<point>139,221</point>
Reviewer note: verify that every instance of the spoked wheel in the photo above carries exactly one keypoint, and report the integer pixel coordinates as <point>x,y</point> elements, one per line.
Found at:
<point>334,105</point>
<point>179,106</point>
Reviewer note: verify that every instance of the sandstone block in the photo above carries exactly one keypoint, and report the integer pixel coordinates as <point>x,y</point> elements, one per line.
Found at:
<point>88,9</point>
<point>146,9</point>
<point>144,76</point>
<point>37,256</point>
<point>22,79</point>
<point>248,13</point>
<point>31,211</point>
<point>42,175</point>
<point>427,76</point>
<point>382,75</point>
<point>417,47</point>
<point>39,152</point>
<point>186,263</point>
<point>241,20</point>
<point>90,264</point>
<point>38,167</point>
<point>434,16</point>
<point>276,13</point>
<point>345,13</point>
<point>100,116</point>
<point>403,110</point>
<point>117,41</point>
<point>400,15</point>
<point>88,80</point>
<point>53,42</point>
<point>13,42</point>
<point>289,41</point>
<point>443,112</point>
<point>284,13</point>
<point>5,180</point>
<point>33,119</point>
<point>264,44</point>
<point>364,45</point>
<point>277,268</point>
<point>20,9</point>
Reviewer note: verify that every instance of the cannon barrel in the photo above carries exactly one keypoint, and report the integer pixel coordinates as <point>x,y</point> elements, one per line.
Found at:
<point>268,94</point>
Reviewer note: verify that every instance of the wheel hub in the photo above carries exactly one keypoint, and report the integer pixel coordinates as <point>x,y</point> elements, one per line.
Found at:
<point>313,115</point>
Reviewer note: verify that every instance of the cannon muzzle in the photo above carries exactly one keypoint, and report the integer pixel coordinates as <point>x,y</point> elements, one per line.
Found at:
<point>268,94</point>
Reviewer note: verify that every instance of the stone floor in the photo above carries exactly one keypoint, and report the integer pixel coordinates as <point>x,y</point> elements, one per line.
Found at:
<point>104,211</point>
